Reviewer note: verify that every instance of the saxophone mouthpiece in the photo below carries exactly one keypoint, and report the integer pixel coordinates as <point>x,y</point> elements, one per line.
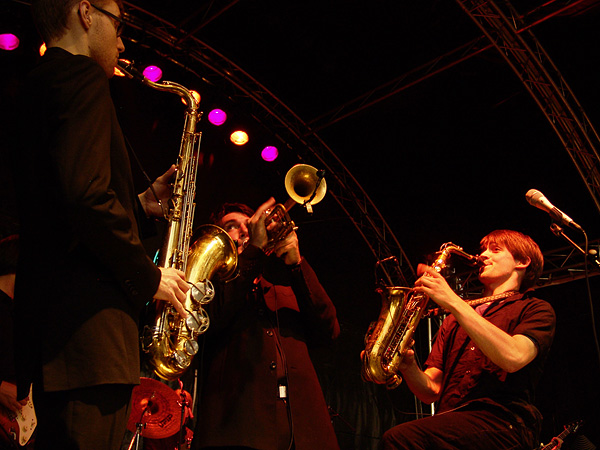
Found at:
<point>242,244</point>
<point>476,261</point>
<point>129,70</point>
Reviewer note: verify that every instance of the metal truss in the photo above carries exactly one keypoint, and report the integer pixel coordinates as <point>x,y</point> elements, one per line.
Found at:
<point>542,79</point>
<point>187,51</point>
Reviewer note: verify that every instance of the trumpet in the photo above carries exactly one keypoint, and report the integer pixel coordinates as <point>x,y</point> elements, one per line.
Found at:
<point>305,185</point>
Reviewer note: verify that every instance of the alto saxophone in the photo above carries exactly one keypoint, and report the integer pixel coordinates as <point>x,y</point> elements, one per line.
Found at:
<point>390,337</point>
<point>171,341</point>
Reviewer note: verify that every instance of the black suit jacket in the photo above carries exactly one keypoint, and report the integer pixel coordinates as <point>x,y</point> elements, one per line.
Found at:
<point>83,273</point>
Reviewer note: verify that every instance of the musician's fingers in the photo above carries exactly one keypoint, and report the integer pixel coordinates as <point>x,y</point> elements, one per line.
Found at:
<point>261,210</point>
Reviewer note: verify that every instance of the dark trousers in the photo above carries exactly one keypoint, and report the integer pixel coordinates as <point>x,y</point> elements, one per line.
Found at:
<point>461,430</point>
<point>91,418</point>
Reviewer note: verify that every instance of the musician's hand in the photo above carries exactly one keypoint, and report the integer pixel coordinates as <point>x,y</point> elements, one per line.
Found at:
<point>409,358</point>
<point>188,414</point>
<point>173,288</point>
<point>163,189</point>
<point>558,442</point>
<point>435,287</point>
<point>8,396</point>
<point>288,250</point>
<point>256,225</point>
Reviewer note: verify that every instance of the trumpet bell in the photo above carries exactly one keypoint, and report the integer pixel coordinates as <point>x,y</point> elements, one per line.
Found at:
<point>301,181</point>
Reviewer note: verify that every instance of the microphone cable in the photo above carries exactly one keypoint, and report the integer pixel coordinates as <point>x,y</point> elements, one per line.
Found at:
<point>286,400</point>
<point>589,291</point>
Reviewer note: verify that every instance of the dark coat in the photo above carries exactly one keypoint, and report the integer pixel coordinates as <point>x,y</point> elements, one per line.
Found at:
<point>83,274</point>
<point>258,341</point>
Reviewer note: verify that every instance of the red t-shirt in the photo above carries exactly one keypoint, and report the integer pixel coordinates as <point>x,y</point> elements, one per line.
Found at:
<point>470,376</point>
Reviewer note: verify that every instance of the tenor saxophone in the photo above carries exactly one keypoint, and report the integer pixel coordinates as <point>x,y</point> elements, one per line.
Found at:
<point>170,342</point>
<point>390,337</point>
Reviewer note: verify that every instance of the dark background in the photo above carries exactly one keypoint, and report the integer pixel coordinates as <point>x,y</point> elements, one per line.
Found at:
<point>448,159</point>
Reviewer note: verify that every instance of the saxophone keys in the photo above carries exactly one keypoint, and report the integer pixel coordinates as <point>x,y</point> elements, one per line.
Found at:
<point>191,347</point>
<point>202,291</point>
<point>197,322</point>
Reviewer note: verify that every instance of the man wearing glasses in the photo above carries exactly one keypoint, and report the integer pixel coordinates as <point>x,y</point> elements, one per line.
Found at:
<point>83,275</point>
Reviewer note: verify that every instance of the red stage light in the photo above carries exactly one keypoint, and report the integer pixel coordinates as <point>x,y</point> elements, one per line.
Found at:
<point>196,96</point>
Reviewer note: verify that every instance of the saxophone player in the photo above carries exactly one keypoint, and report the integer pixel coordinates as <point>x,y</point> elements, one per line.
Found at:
<point>261,390</point>
<point>486,361</point>
<point>83,275</point>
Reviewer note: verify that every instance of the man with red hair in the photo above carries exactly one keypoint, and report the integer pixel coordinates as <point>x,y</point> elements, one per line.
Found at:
<point>486,361</point>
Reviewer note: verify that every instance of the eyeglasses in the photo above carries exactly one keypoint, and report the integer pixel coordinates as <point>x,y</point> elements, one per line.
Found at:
<point>120,22</point>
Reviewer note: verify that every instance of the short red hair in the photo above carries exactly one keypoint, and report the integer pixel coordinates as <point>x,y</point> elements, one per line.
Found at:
<point>521,247</point>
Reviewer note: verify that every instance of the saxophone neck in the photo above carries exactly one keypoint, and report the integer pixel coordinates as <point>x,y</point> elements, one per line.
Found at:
<point>448,249</point>
<point>131,72</point>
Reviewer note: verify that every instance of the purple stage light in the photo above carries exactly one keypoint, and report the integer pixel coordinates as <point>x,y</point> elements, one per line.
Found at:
<point>217,117</point>
<point>153,73</point>
<point>269,153</point>
<point>8,41</point>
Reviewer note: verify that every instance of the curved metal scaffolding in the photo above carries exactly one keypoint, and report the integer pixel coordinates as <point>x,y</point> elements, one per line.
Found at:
<point>515,41</point>
<point>187,51</point>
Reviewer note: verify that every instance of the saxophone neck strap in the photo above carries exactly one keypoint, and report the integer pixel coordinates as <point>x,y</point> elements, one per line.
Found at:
<point>475,302</point>
<point>491,298</point>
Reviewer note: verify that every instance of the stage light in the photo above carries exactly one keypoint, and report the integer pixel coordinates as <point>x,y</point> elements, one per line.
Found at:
<point>196,96</point>
<point>42,49</point>
<point>239,137</point>
<point>217,117</point>
<point>8,41</point>
<point>153,73</point>
<point>269,153</point>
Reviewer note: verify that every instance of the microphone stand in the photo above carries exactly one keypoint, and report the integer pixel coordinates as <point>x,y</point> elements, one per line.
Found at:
<point>139,427</point>
<point>558,231</point>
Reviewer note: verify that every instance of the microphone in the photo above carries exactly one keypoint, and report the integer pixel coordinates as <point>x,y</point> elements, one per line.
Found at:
<point>537,199</point>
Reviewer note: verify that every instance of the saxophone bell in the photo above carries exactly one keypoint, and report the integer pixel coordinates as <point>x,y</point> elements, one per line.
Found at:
<point>172,343</point>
